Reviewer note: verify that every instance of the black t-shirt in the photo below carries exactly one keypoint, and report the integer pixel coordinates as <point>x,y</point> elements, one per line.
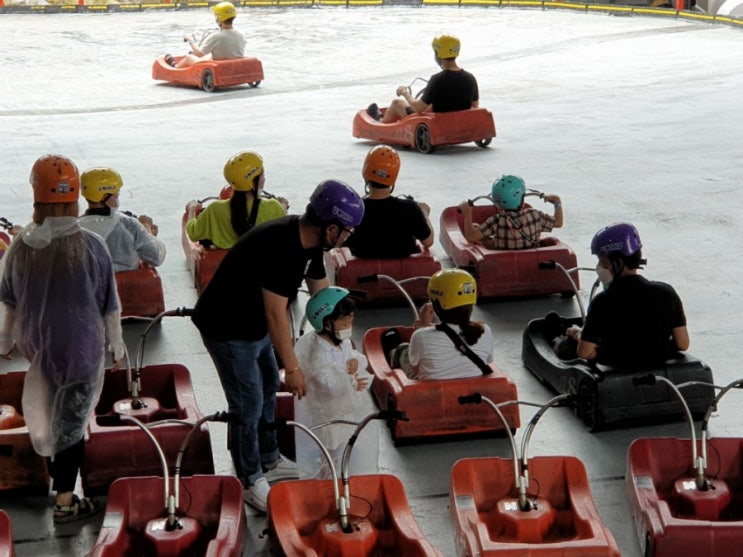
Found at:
<point>451,90</point>
<point>632,321</point>
<point>269,256</point>
<point>389,229</point>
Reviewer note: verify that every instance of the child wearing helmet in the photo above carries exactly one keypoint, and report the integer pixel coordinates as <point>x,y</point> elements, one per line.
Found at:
<point>62,312</point>
<point>131,241</point>
<point>450,90</point>
<point>336,378</point>
<point>374,238</point>
<point>222,222</point>
<point>243,322</point>
<point>633,321</point>
<point>225,44</point>
<point>513,226</point>
<point>432,353</point>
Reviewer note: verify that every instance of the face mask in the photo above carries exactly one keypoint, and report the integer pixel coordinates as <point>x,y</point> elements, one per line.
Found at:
<point>604,274</point>
<point>344,334</point>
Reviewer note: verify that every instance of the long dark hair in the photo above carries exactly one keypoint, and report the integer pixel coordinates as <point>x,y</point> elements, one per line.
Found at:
<point>471,330</point>
<point>239,207</point>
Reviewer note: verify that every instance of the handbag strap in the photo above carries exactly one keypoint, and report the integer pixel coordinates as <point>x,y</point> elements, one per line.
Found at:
<point>464,349</point>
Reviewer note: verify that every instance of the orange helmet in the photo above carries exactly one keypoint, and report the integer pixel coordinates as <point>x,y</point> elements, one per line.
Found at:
<point>55,179</point>
<point>382,165</point>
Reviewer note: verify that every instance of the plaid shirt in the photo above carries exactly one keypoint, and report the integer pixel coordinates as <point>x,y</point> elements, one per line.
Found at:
<point>517,229</point>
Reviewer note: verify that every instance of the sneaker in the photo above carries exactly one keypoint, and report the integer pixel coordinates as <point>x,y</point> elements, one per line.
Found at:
<point>282,469</point>
<point>169,60</point>
<point>373,111</point>
<point>256,495</point>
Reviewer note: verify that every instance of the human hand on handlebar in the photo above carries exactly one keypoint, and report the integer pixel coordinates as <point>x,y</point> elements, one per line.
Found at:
<point>551,198</point>
<point>402,91</point>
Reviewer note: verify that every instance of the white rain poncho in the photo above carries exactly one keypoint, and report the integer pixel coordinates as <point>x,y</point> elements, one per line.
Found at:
<point>60,295</point>
<point>127,239</point>
<point>332,395</point>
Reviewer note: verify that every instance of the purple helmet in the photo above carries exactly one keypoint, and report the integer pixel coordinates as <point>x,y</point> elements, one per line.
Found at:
<point>333,200</point>
<point>620,237</point>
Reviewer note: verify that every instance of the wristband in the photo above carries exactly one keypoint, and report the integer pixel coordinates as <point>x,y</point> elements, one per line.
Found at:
<point>296,368</point>
<point>557,205</point>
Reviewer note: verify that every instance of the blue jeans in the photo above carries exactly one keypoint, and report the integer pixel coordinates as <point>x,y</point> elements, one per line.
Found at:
<point>250,378</point>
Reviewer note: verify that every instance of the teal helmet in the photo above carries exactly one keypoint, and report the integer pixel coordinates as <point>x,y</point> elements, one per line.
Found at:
<point>508,192</point>
<point>323,304</point>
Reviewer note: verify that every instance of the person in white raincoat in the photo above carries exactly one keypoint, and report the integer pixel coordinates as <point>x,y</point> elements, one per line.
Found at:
<point>130,240</point>
<point>337,388</point>
<point>62,310</point>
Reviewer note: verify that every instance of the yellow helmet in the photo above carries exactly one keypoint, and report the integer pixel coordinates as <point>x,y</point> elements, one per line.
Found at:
<point>241,170</point>
<point>225,11</point>
<point>382,165</point>
<point>446,46</point>
<point>55,179</point>
<point>452,288</point>
<point>97,183</point>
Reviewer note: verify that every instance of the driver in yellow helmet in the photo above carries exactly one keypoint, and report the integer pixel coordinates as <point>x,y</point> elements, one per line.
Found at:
<point>225,44</point>
<point>450,90</point>
<point>130,240</point>
<point>432,352</point>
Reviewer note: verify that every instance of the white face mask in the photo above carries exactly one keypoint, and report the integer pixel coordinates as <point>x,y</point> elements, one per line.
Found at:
<point>604,274</point>
<point>344,334</point>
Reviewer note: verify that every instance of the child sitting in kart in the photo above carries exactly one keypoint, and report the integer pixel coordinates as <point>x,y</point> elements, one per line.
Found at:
<point>222,222</point>
<point>336,379</point>
<point>450,90</point>
<point>457,347</point>
<point>633,321</point>
<point>374,238</point>
<point>225,44</point>
<point>513,226</point>
<point>130,240</point>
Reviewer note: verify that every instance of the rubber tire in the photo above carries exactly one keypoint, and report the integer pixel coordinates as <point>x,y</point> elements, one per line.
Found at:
<point>587,411</point>
<point>207,80</point>
<point>254,84</point>
<point>483,142</point>
<point>423,139</point>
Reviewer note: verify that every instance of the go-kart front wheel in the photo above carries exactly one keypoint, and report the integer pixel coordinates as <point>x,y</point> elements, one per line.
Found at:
<point>483,142</point>
<point>588,406</point>
<point>254,84</point>
<point>207,80</point>
<point>423,139</point>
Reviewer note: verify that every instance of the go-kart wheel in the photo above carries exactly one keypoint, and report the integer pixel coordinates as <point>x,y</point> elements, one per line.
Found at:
<point>423,139</point>
<point>483,142</point>
<point>207,80</point>
<point>254,84</point>
<point>587,408</point>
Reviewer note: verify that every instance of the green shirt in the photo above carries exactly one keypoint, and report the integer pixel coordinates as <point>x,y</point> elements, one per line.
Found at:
<point>213,223</point>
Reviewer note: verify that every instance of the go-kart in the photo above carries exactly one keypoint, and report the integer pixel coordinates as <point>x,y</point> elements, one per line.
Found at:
<point>353,273</point>
<point>6,536</point>
<point>210,74</point>
<point>502,273</point>
<point>159,393</point>
<point>148,516</point>
<point>687,499</point>
<point>431,406</point>
<point>425,131</point>
<point>140,292</point>
<point>521,506</point>
<point>609,396</point>
<point>21,468</point>
<point>369,517</point>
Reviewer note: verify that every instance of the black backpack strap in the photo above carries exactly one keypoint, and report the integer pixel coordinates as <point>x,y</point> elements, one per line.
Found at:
<point>253,213</point>
<point>464,349</point>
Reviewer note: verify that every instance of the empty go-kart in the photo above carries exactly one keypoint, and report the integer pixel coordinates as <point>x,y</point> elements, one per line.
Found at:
<point>210,74</point>
<point>431,405</point>
<point>369,517</point>
<point>197,515</point>
<point>148,393</point>
<point>521,506</point>
<point>610,397</point>
<point>687,499</point>
<point>21,468</point>
<point>502,273</point>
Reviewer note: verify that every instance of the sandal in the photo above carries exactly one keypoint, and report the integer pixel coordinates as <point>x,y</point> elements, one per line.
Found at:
<point>79,509</point>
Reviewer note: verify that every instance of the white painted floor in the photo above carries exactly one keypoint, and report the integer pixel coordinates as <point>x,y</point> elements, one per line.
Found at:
<point>626,118</point>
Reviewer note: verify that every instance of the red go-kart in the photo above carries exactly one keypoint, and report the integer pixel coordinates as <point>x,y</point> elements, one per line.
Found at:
<point>211,74</point>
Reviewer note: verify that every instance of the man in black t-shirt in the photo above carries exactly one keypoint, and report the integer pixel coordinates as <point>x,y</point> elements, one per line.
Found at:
<point>391,225</point>
<point>634,321</point>
<point>450,90</point>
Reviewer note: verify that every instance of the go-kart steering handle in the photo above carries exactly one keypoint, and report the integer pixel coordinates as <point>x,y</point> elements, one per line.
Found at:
<point>5,223</point>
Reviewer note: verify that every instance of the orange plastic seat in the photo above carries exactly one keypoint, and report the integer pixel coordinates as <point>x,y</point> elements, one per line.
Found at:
<point>140,292</point>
